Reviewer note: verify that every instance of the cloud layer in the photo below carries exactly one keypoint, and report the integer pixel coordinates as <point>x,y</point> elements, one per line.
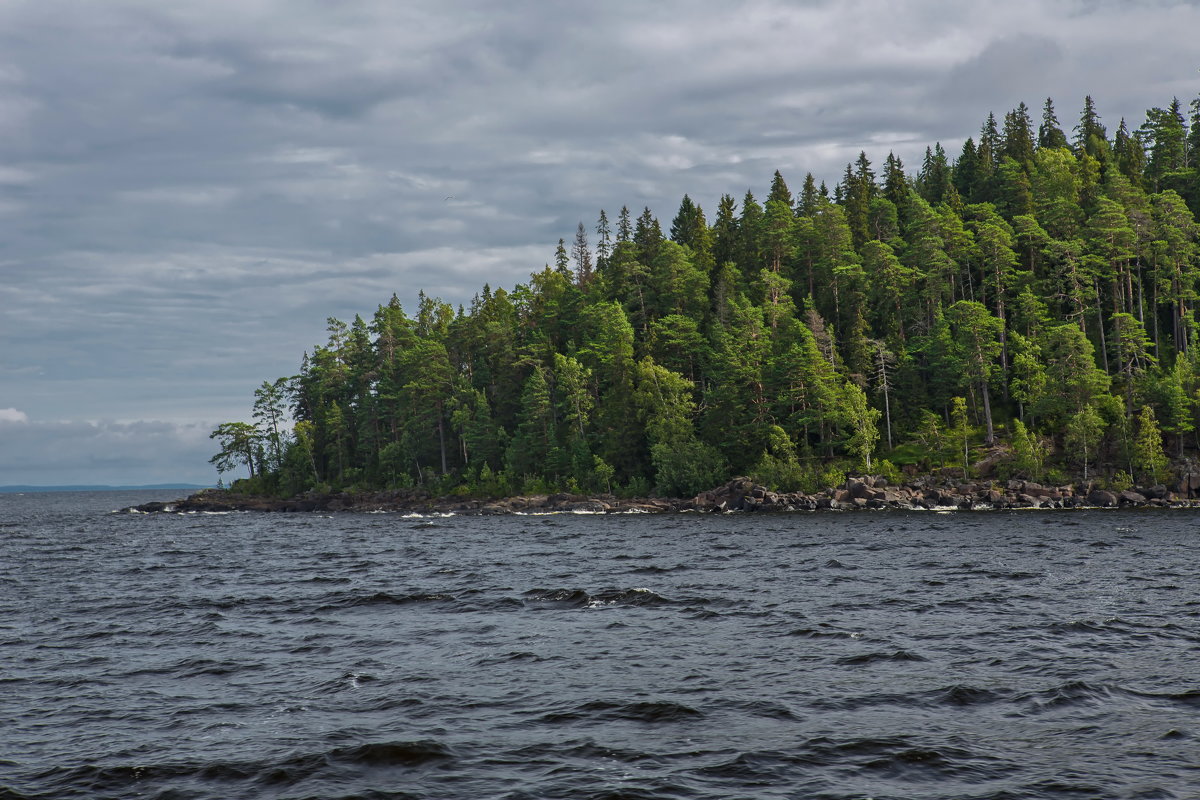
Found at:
<point>188,190</point>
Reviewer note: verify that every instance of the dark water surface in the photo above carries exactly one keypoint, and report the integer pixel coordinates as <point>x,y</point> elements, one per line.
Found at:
<point>870,655</point>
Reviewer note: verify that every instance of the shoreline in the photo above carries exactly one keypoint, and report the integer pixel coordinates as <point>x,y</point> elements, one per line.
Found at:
<point>738,495</point>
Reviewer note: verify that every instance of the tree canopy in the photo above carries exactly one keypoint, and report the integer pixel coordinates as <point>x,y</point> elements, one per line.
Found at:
<point>1036,294</point>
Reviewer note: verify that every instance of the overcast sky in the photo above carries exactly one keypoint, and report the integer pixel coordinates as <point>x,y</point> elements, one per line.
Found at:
<point>188,189</point>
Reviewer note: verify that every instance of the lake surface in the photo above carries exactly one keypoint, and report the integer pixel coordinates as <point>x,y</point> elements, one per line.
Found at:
<point>813,655</point>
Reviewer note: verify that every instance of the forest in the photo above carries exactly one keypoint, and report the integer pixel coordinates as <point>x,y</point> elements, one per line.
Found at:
<point>1027,309</point>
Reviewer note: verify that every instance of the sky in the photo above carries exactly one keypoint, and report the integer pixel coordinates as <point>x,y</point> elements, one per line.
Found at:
<point>189,189</point>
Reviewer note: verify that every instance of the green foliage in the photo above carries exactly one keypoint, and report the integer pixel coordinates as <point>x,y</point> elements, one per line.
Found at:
<point>1149,462</point>
<point>1120,481</point>
<point>1039,285</point>
<point>862,420</point>
<point>1082,436</point>
<point>890,472</point>
<point>240,445</point>
<point>833,474</point>
<point>1029,454</point>
<point>960,432</point>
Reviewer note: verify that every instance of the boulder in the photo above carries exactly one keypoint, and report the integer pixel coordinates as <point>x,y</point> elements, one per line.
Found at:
<point>859,490</point>
<point>1101,498</point>
<point>1188,484</point>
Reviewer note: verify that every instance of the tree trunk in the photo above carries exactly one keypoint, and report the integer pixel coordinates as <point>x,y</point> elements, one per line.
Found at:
<point>1100,324</point>
<point>442,440</point>
<point>987,413</point>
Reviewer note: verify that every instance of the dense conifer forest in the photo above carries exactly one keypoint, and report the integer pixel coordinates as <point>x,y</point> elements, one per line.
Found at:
<point>1026,309</point>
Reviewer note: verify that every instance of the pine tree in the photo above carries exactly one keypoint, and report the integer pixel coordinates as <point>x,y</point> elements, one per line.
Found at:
<point>1029,455</point>
<point>1050,135</point>
<point>1018,137</point>
<point>603,242</point>
<point>896,188</point>
<point>779,191</point>
<point>1090,136</point>
<point>582,256</point>
<point>977,336</point>
<point>960,431</point>
<point>1149,461</point>
<point>809,196</point>
<point>1130,154</point>
<point>966,171</point>
<point>1082,436</point>
<point>1178,399</point>
<point>934,180</point>
<point>624,226</point>
<point>683,227</point>
<point>725,231</point>
<point>562,263</point>
<point>1165,133</point>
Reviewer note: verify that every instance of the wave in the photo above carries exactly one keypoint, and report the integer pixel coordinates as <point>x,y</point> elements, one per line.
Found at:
<point>342,600</point>
<point>873,658</point>
<point>90,781</point>
<point>578,598</point>
<point>652,711</point>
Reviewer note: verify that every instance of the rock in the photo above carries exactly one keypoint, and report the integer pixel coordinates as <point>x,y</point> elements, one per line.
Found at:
<point>1131,497</point>
<point>1188,484</point>
<point>859,490</point>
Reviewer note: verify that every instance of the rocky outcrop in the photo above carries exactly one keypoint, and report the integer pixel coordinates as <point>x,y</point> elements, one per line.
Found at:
<point>739,494</point>
<point>873,492</point>
<point>413,501</point>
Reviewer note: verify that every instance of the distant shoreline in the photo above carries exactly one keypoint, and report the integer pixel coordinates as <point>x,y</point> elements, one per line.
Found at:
<point>22,489</point>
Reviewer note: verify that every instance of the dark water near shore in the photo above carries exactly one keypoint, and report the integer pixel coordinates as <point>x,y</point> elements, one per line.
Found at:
<point>976,655</point>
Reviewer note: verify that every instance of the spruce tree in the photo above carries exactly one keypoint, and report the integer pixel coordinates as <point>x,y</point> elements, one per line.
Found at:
<point>1050,135</point>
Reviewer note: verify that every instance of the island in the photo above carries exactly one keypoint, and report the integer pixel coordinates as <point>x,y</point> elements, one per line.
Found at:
<point>1011,327</point>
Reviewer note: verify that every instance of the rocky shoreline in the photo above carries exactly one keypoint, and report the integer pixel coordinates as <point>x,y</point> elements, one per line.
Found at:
<point>739,494</point>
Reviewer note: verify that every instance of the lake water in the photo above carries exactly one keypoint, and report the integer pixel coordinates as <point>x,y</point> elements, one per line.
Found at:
<point>812,655</point>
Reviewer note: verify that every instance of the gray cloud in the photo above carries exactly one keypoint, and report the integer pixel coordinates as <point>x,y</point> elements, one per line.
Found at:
<point>189,189</point>
<point>56,453</point>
